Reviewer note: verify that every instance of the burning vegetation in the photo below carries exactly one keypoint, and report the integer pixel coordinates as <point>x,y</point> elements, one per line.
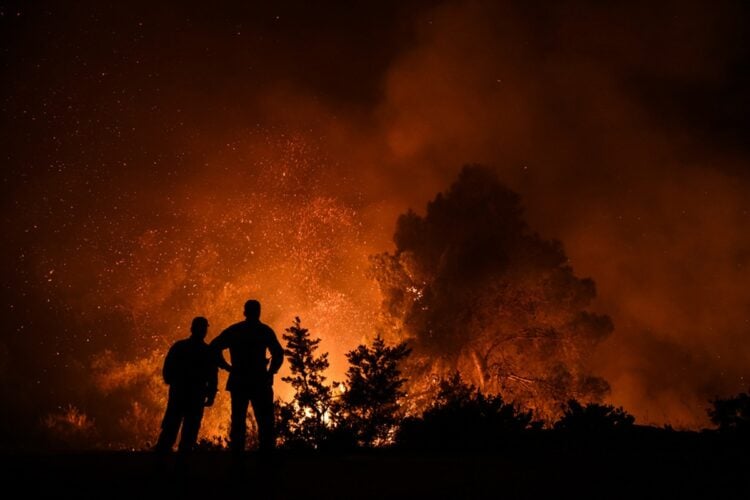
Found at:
<point>474,289</point>
<point>480,315</point>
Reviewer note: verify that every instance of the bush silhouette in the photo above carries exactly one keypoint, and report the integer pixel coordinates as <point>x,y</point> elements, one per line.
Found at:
<point>731,414</point>
<point>593,417</point>
<point>462,417</point>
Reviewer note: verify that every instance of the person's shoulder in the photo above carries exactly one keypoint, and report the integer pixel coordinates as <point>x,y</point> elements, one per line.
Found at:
<point>179,345</point>
<point>235,327</point>
<point>267,329</point>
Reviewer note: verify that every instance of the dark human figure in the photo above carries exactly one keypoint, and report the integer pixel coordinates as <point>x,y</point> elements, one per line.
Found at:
<point>191,371</point>
<point>250,376</point>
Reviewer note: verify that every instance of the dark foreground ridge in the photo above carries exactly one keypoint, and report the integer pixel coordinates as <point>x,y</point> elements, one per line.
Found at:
<point>640,465</point>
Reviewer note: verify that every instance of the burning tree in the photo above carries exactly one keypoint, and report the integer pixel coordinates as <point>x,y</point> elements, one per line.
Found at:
<point>475,290</point>
<point>304,420</point>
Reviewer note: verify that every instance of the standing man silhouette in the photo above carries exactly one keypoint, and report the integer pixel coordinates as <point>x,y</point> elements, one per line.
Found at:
<point>250,376</point>
<point>191,371</point>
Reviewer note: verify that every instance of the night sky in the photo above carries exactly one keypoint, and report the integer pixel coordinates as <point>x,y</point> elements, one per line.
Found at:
<point>162,161</point>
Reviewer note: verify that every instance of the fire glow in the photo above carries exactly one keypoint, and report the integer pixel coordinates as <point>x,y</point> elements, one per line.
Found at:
<point>158,168</point>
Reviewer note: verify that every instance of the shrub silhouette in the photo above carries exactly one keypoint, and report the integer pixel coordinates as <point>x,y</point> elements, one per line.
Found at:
<point>593,417</point>
<point>731,414</point>
<point>462,417</point>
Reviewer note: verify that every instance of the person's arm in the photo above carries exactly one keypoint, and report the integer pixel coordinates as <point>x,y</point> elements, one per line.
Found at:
<point>168,370</point>
<point>218,345</point>
<point>212,384</point>
<point>277,352</point>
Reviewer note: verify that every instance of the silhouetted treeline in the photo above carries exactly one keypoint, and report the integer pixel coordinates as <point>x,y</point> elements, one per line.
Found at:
<point>368,408</point>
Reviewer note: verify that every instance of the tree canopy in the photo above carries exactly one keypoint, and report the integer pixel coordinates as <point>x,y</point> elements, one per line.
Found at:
<point>474,289</point>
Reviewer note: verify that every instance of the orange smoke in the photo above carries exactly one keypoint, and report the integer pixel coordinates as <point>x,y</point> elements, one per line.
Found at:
<point>148,187</point>
<point>652,213</point>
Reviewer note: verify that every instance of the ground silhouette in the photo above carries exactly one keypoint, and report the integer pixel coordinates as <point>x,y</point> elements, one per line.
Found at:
<point>543,464</point>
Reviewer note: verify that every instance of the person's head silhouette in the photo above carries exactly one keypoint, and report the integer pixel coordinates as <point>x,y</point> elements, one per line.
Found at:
<point>252,310</point>
<point>199,327</point>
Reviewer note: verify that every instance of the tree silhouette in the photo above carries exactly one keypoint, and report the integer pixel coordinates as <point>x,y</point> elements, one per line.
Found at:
<point>476,290</point>
<point>370,407</point>
<point>461,416</point>
<point>593,417</point>
<point>732,413</point>
<point>304,422</point>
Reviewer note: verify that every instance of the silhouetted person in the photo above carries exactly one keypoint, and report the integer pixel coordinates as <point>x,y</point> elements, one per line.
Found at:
<point>191,370</point>
<point>250,376</point>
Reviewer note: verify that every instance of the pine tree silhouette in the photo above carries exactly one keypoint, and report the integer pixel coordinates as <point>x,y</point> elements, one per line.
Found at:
<point>305,421</point>
<point>370,408</point>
